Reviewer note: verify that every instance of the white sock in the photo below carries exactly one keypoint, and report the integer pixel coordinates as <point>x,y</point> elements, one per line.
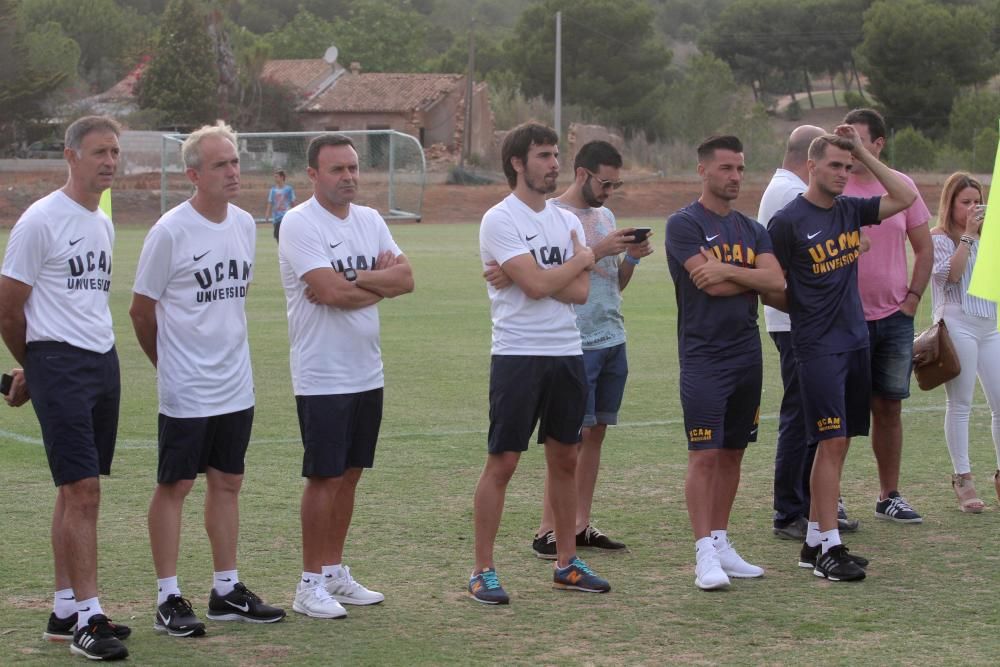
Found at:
<point>333,571</point>
<point>224,582</point>
<point>85,609</point>
<point>812,534</point>
<point>703,546</point>
<point>166,587</point>
<point>311,578</point>
<point>720,539</point>
<point>829,539</point>
<point>64,603</point>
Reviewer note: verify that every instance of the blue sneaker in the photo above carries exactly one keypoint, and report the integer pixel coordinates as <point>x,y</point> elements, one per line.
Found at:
<point>485,587</point>
<point>578,577</point>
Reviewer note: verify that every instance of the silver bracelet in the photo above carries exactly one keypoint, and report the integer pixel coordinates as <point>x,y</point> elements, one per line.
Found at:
<point>967,240</point>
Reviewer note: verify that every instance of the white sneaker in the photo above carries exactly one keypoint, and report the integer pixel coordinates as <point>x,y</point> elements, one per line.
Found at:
<point>346,590</point>
<point>708,572</point>
<point>734,565</point>
<point>312,599</point>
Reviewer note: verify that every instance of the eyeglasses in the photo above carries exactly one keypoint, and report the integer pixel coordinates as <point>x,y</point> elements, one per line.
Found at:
<point>606,184</point>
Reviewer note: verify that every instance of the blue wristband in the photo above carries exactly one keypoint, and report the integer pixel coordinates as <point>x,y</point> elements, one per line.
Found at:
<point>631,260</point>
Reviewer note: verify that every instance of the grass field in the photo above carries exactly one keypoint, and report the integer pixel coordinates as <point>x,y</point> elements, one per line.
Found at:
<point>931,596</point>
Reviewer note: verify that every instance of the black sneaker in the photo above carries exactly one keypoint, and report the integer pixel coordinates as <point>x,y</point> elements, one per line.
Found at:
<point>808,556</point>
<point>242,605</point>
<point>837,565</point>
<point>63,629</point>
<point>595,539</point>
<point>794,530</point>
<point>544,545</point>
<point>844,524</point>
<point>895,508</point>
<point>177,619</point>
<point>97,640</point>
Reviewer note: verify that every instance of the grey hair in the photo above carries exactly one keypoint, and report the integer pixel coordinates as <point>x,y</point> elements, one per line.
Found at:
<point>81,127</point>
<point>190,153</point>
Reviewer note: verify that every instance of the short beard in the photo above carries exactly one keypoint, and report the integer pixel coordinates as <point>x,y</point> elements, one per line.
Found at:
<point>544,189</point>
<point>589,196</point>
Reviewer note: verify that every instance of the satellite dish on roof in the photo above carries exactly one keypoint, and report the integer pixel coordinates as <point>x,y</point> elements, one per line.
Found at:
<point>331,54</point>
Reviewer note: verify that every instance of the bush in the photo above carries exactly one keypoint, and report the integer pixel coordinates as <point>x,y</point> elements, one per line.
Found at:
<point>793,111</point>
<point>911,150</point>
<point>984,150</point>
<point>855,100</point>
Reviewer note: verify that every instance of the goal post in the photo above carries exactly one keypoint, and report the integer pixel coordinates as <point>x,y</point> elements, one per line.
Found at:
<point>392,165</point>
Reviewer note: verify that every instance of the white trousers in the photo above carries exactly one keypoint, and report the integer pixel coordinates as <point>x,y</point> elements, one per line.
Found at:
<point>977,342</point>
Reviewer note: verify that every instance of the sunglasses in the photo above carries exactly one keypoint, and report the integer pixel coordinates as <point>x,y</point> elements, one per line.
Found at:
<point>605,184</point>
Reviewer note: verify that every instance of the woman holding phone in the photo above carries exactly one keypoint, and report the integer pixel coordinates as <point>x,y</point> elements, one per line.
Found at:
<point>972,325</point>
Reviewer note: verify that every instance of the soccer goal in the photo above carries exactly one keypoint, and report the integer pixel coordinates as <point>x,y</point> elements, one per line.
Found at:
<point>392,164</point>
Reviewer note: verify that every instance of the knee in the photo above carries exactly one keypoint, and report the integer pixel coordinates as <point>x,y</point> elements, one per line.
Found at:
<point>885,409</point>
<point>82,495</point>
<point>176,490</point>
<point>499,469</point>
<point>219,482</point>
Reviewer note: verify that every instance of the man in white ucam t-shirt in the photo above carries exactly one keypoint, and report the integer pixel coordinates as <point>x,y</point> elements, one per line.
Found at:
<point>337,261</point>
<point>188,313</point>
<point>54,318</point>
<point>536,368</point>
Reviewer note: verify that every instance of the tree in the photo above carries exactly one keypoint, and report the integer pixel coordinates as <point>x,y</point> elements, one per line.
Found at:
<point>708,86</point>
<point>383,36</point>
<point>305,36</point>
<point>912,151</point>
<point>970,115</point>
<point>181,77</point>
<point>615,68</point>
<point>918,55</point>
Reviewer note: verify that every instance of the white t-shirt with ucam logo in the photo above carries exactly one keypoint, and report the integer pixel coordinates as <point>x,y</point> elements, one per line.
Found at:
<point>198,272</point>
<point>333,350</point>
<point>522,325</point>
<point>63,251</point>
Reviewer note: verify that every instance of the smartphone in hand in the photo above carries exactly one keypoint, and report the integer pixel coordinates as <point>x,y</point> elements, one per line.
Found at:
<point>639,234</point>
<point>5,382</point>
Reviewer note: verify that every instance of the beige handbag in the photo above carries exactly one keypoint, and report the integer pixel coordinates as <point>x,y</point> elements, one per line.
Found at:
<point>934,358</point>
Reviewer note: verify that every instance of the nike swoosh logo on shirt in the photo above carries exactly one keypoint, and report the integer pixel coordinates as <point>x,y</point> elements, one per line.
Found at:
<point>810,236</point>
<point>528,238</point>
<point>334,245</point>
<point>77,241</point>
<point>711,238</point>
<point>245,607</point>
<point>198,257</point>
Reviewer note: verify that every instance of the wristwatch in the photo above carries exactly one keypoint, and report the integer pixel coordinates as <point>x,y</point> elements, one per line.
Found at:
<point>351,275</point>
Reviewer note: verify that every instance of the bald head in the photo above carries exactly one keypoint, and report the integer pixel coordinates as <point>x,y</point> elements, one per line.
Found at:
<point>797,150</point>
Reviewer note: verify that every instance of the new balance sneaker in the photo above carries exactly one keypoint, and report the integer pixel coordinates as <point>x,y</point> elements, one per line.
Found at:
<point>808,556</point>
<point>485,587</point>
<point>241,604</point>
<point>837,565</point>
<point>595,539</point>
<point>895,508</point>
<point>176,617</point>
<point>544,545</point>
<point>734,565</point>
<point>793,530</point>
<point>312,599</point>
<point>578,577</point>
<point>708,572</point>
<point>63,629</point>
<point>844,524</point>
<point>96,640</point>
<point>346,590</point>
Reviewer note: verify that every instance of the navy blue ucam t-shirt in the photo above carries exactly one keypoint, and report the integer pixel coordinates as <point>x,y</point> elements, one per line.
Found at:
<point>819,248</point>
<point>714,331</point>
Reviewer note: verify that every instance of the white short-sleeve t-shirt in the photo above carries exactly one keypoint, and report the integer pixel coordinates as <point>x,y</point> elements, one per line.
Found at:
<point>63,251</point>
<point>522,325</point>
<point>333,350</point>
<point>198,272</point>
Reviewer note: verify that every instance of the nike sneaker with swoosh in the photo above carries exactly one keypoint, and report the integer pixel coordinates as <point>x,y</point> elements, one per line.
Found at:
<point>241,604</point>
<point>176,618</point>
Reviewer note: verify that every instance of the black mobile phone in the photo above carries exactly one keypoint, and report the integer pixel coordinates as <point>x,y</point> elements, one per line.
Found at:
<point>640,234</point>
<point>5,381</point>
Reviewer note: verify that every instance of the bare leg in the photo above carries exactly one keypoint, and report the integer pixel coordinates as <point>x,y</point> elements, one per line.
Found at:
<point>560,475</point>
<point>316,513</point>
<point>727,481</point>
<point>60,559</point>
<point>825,481</point>
<point>81,502</point>
<point>699,489</point>
<point>340,518</point>
<point>164,521</point>
<point>222,516</point>
<point>887,442</point>
<point>587,466</point>
<point>488,503</point>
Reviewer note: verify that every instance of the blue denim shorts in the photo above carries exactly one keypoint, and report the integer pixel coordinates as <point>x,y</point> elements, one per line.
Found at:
<point>891,345</point>
<point>607,370</point>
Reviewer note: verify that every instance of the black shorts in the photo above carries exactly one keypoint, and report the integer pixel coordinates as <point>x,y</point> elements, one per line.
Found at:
<point>525,390</point>
<point>189,445</point>
<point>339,431</point>
<point>836,395</point>
<point>721,406</point>
<point>75,394</point>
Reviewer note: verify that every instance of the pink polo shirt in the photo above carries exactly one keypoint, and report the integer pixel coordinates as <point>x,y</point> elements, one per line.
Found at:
<point>883,276</point>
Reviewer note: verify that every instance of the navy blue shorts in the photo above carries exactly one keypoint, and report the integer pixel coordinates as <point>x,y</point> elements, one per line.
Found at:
<point>75,394</point>
<point>891,344</point>
<point>721,406</point>
<point>189,445</point>
<point>607,370</point>
<point>836,395</point>
<point>339,431</point>
<point>526,390</point>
